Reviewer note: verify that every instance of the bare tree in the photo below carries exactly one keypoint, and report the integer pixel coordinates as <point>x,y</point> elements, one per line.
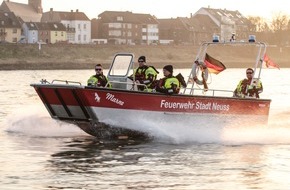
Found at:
<point>260,23</point>
<point>279,22</point>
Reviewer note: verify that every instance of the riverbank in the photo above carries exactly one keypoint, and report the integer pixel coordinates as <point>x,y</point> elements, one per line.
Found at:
<point>64,56</point>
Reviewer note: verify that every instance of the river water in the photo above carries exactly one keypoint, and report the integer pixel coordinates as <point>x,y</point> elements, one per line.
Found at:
<point>40,153</point>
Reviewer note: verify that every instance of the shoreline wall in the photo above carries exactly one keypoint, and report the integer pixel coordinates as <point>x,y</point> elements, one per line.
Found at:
<point>70,56</point>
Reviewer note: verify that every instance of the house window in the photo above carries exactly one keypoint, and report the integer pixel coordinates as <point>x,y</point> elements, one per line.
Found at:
<point>14,30</point>
<point>14,40</point>
<point>119,18</point>
<point>61,33</point>
<point>79,37</point>
<point>85,38</point>
<point>79,26</point>
<point>55,33</point>
<point>115,25</point>
<point>85,26</point>
<point>115,33</point>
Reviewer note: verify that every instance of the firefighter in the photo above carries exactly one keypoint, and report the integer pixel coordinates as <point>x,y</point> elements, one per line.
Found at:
<point>169,84</point>
<point>145,75</point>
<point>245,88</point>
<point>99,79</point>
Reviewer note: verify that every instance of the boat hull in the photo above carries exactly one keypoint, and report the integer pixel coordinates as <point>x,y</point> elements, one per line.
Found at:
<point>103,111</point>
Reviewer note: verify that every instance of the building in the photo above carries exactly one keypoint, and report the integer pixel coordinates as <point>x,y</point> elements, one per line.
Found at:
<point>30,12</point>
<point>78,25</point>
<point>150,29</point>
<point>202,28</point>
<point>229,23</point>
<point>127,28</point>
<point>10,28</point>
<point>58,33</point>
<point>30,32</point>
<point>183,30</point>
<point>49,33</point>
<point>173,31</point>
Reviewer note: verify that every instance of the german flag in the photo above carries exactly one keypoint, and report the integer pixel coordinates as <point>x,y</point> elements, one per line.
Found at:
<point>213,65</point>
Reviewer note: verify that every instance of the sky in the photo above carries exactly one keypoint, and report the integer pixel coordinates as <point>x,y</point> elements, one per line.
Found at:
<point>168,8</point>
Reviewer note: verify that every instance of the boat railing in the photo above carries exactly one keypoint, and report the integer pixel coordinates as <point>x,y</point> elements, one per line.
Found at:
<point>62,81</point>
<point>208,92</point>
<point>129,85</point>
<point>197,91</point>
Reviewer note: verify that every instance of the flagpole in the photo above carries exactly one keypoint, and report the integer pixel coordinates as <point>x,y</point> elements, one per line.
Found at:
<point>262,51</point>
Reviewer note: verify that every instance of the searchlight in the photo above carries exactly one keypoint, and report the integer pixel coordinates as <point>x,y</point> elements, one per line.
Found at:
<point>252,38</point>
<point>215,38</point>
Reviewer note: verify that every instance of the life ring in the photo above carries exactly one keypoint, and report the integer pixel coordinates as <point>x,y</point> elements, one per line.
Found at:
<point>199,66</point>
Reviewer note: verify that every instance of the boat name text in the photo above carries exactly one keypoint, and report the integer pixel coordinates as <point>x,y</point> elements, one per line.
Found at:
<point>176,105</point>
<point>191,105</point>
<point>112,98</point>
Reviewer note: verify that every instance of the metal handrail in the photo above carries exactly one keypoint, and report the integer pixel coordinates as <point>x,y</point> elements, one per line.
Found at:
<point>66,82</point>
<point>128,83</point>
<point>213,91</point>
<point>202,52</point>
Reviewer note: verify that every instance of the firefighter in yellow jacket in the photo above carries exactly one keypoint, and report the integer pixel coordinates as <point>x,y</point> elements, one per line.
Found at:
<point>169,84</point>
<point>245,88</point>
<point>99,79</point>
<point>145,75</point>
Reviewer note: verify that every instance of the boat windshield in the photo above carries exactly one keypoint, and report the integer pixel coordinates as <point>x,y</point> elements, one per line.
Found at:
<point>121,65</point>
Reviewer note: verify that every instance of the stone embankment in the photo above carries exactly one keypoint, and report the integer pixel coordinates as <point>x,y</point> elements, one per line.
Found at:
<point>68,56</point>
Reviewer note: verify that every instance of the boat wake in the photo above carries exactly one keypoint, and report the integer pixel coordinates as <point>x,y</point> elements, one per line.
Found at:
<point>35,121</point>
<point>182,132</point>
